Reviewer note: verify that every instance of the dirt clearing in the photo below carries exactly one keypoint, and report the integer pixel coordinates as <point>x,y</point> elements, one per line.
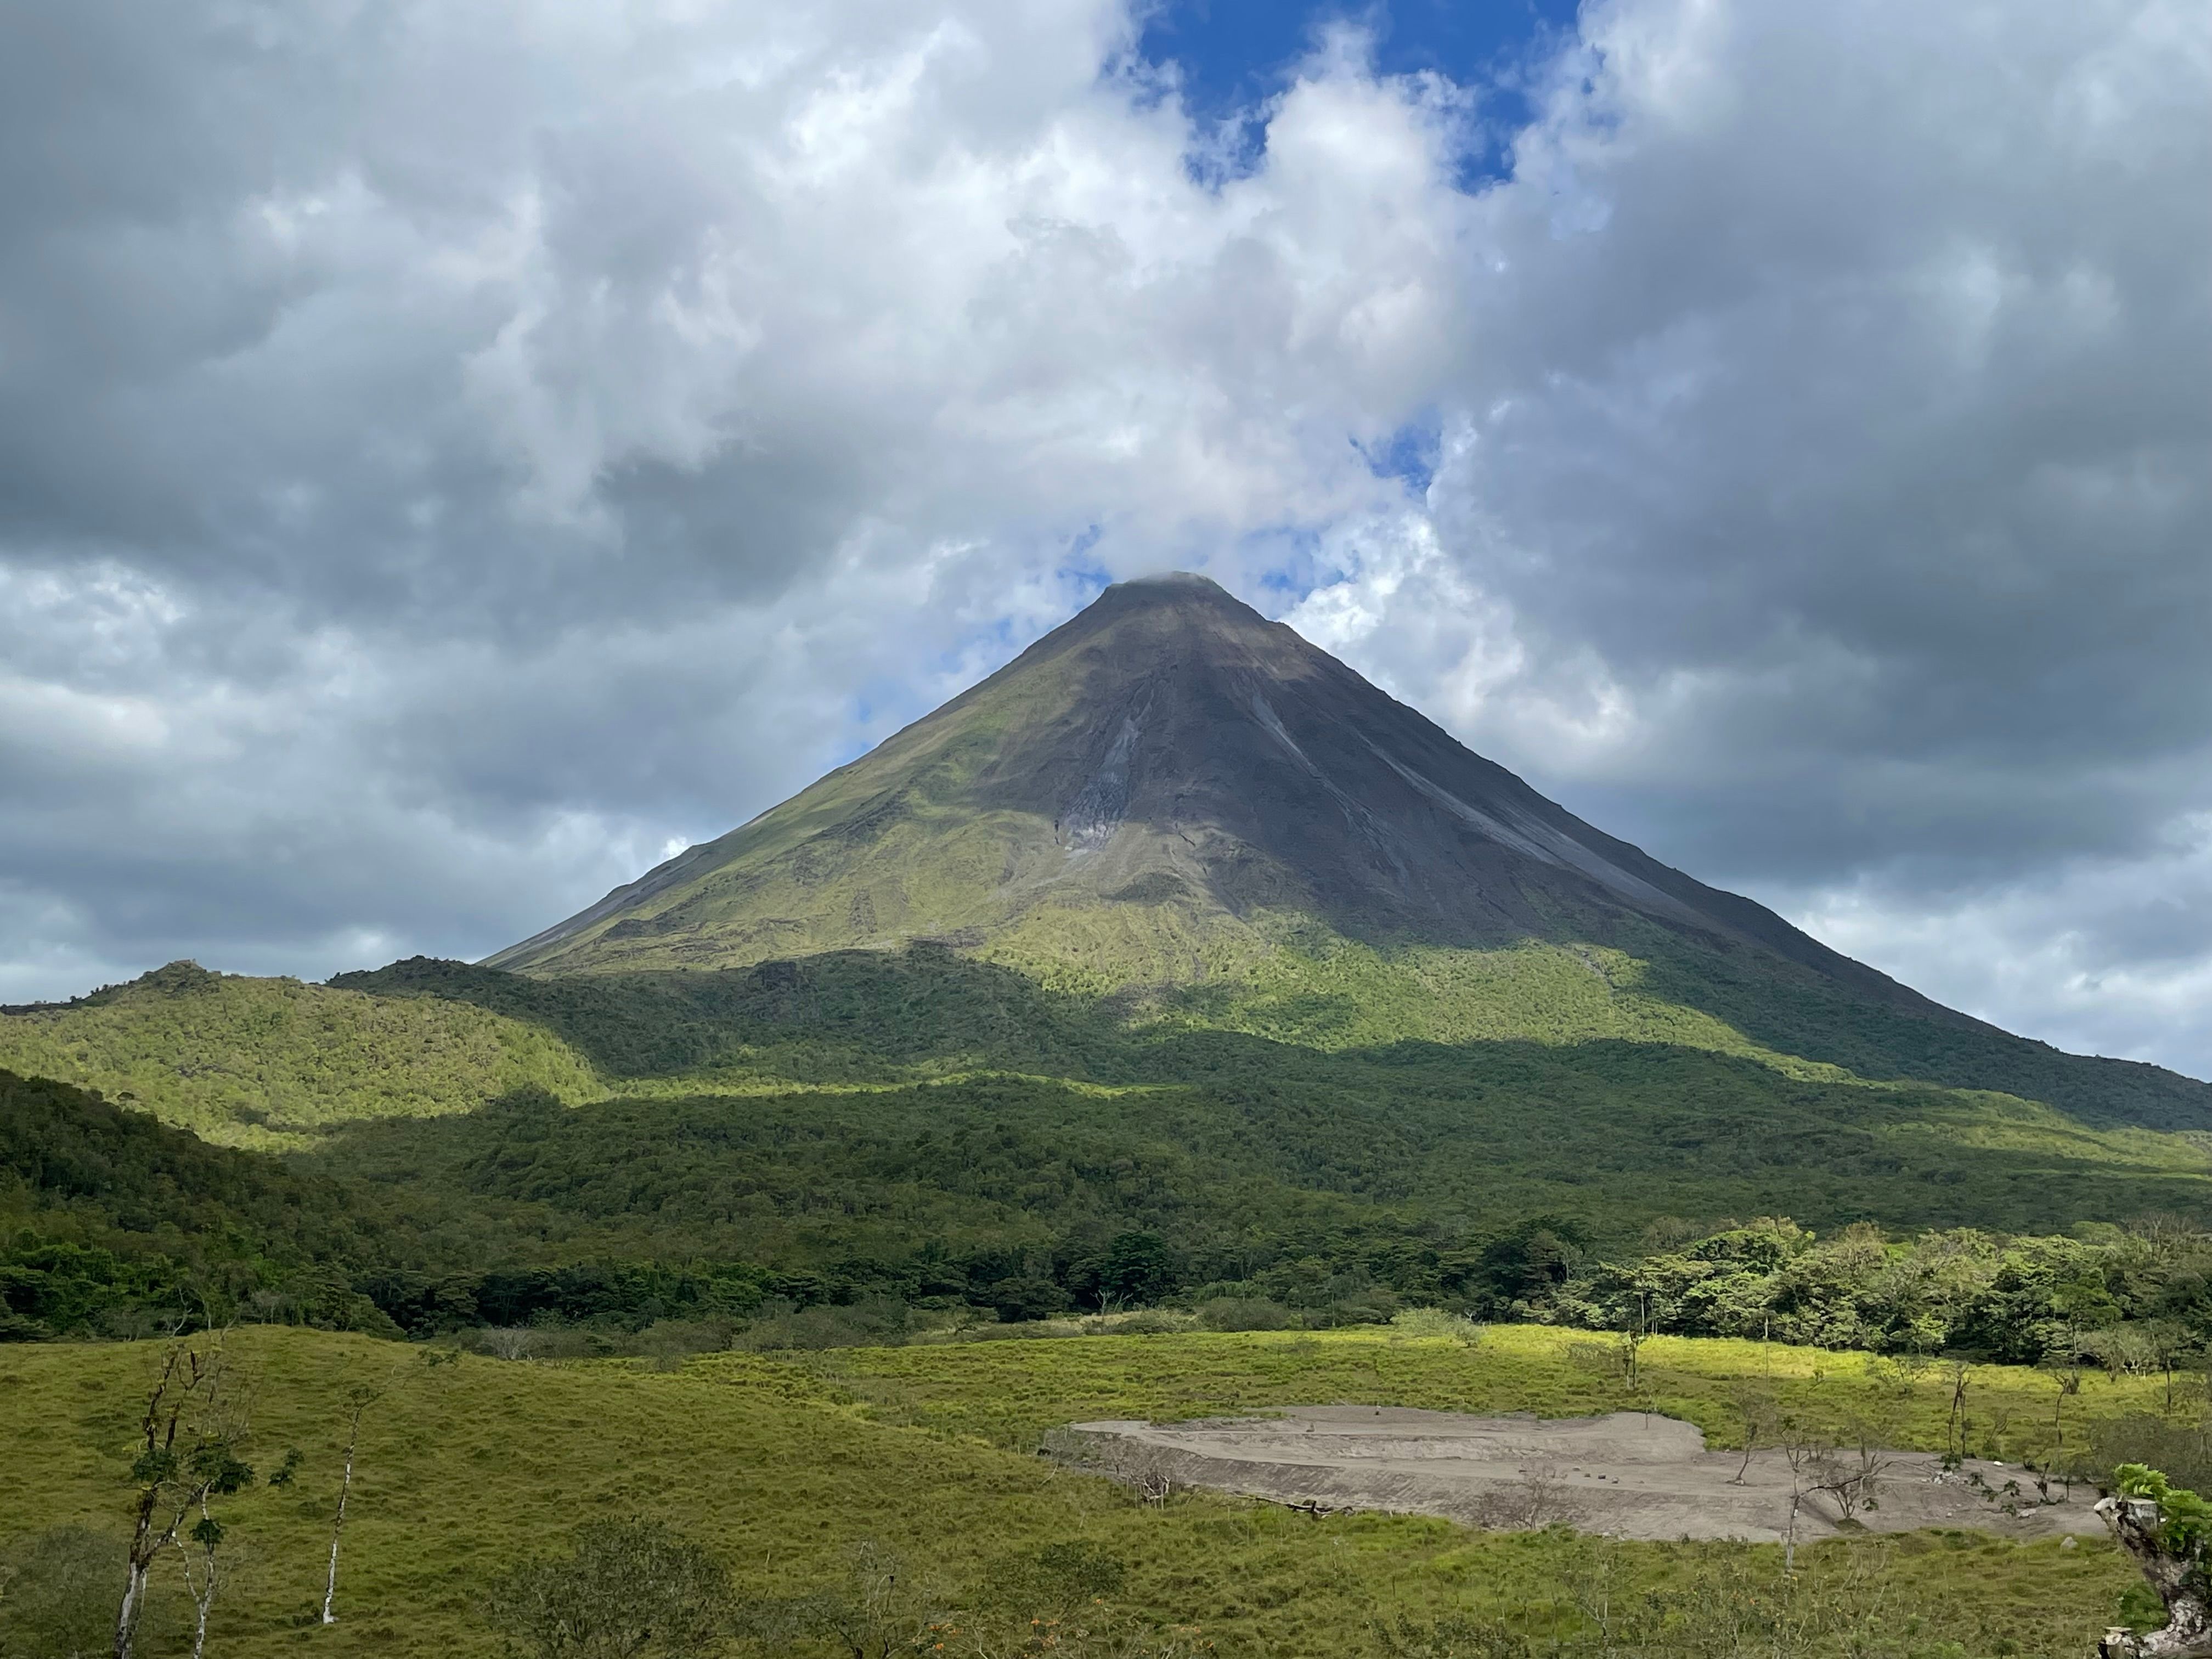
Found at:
<point>1627,1475</point>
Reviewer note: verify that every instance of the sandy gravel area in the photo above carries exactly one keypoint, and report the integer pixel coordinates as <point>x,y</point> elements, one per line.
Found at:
<point>1626,1475</point>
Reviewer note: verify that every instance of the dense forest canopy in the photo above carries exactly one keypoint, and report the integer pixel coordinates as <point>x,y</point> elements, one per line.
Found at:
<point>1009,1198</point>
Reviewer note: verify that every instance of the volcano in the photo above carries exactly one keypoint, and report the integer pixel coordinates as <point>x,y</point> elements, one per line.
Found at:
<point>1174,804</point>
<point>1168,749</point>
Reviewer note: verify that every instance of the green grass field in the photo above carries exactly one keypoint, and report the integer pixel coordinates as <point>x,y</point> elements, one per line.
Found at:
<point>785,1467</point>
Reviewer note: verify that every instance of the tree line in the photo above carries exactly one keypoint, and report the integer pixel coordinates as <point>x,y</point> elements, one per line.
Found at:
<point>530,1213</point>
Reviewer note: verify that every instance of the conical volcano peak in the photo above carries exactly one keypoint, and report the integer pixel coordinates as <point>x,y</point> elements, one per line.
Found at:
<point>1145,625</point>
<point>1171,598</point>
<point>1155,790</point>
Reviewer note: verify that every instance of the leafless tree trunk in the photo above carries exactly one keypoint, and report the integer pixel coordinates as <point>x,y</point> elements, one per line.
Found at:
<point>1635,1329</point>
<point>1954,1431</point>
<point>134,1603</point>
<point>1152,1470</point>
<point>1807,1454</point>
<point>362,1399</point>
<point>1854,1485</point>
<point>2068,1381</point>
<point>157,1430</point>
<point>1755,1405</point>
<point>1154,1473</point>
<point>1539,1497</point>
<point>509,1342</point>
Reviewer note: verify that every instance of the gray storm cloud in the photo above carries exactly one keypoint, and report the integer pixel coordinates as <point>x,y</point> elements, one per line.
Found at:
<point>448,452</point>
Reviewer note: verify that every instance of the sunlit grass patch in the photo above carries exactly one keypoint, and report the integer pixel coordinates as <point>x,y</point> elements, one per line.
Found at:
<point>784,1467</point>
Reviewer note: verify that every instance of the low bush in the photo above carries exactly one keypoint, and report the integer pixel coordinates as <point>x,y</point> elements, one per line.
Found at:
<point>872,1321</point>
<point>1245,1313</point>
<point>1436,1322</point>
<point>628,1589</point>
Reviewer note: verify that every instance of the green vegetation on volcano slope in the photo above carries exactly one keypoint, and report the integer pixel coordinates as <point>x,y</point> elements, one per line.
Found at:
<point>1118,1105</point>
<point>254,1062</point>
<point>260,1061</point>
<point>961,1132</point>
<point>464,1469</point>
<point>887,1015</point>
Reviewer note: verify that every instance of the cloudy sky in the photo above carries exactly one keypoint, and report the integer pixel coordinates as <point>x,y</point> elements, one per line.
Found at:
<point>454,452</point>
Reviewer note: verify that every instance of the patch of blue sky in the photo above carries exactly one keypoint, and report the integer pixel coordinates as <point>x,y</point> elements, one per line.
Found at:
<point>1230,56</point>
<point>1285,563</point>
<point>1409,454</point>
<point>1079,570</point>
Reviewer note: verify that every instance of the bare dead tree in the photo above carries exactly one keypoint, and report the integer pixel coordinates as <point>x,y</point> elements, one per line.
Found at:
<point>509,1342</point>
<point>1604,1591</point>
<point>2067,1379</point>
<point>2170,1347</point>
<point>1853,1476</point>
<point>1153,1472</point>
<point>361,1398</point>
<point>1634,1331</point>
<point>188,1436</point>
<point>1954,1431</point>
<point>1810,1455</point>
<point>1539,1497</point>
<point>1754,1405</point>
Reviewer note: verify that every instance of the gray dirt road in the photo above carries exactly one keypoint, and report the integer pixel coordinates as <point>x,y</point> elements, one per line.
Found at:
<point>1625,1475</point>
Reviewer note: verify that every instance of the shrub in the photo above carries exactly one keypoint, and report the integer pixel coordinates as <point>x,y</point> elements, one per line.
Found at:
<point>2185,1518</point>
<point>871,1322</point>
<point>1063,1576</point>
<point>1146,1322</point>
<point>628,1588</point>
<point>1244,1313</point>
<point>669,1342</point>
<point>1436,1322</point>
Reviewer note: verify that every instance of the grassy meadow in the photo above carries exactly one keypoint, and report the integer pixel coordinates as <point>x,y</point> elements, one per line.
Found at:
<point>796,1470</point>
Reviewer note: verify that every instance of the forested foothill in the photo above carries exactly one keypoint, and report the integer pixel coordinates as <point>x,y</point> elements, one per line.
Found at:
<point>885,1214</point>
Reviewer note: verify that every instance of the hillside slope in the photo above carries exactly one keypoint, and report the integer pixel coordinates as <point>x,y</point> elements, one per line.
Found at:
<point>251,1061</point>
